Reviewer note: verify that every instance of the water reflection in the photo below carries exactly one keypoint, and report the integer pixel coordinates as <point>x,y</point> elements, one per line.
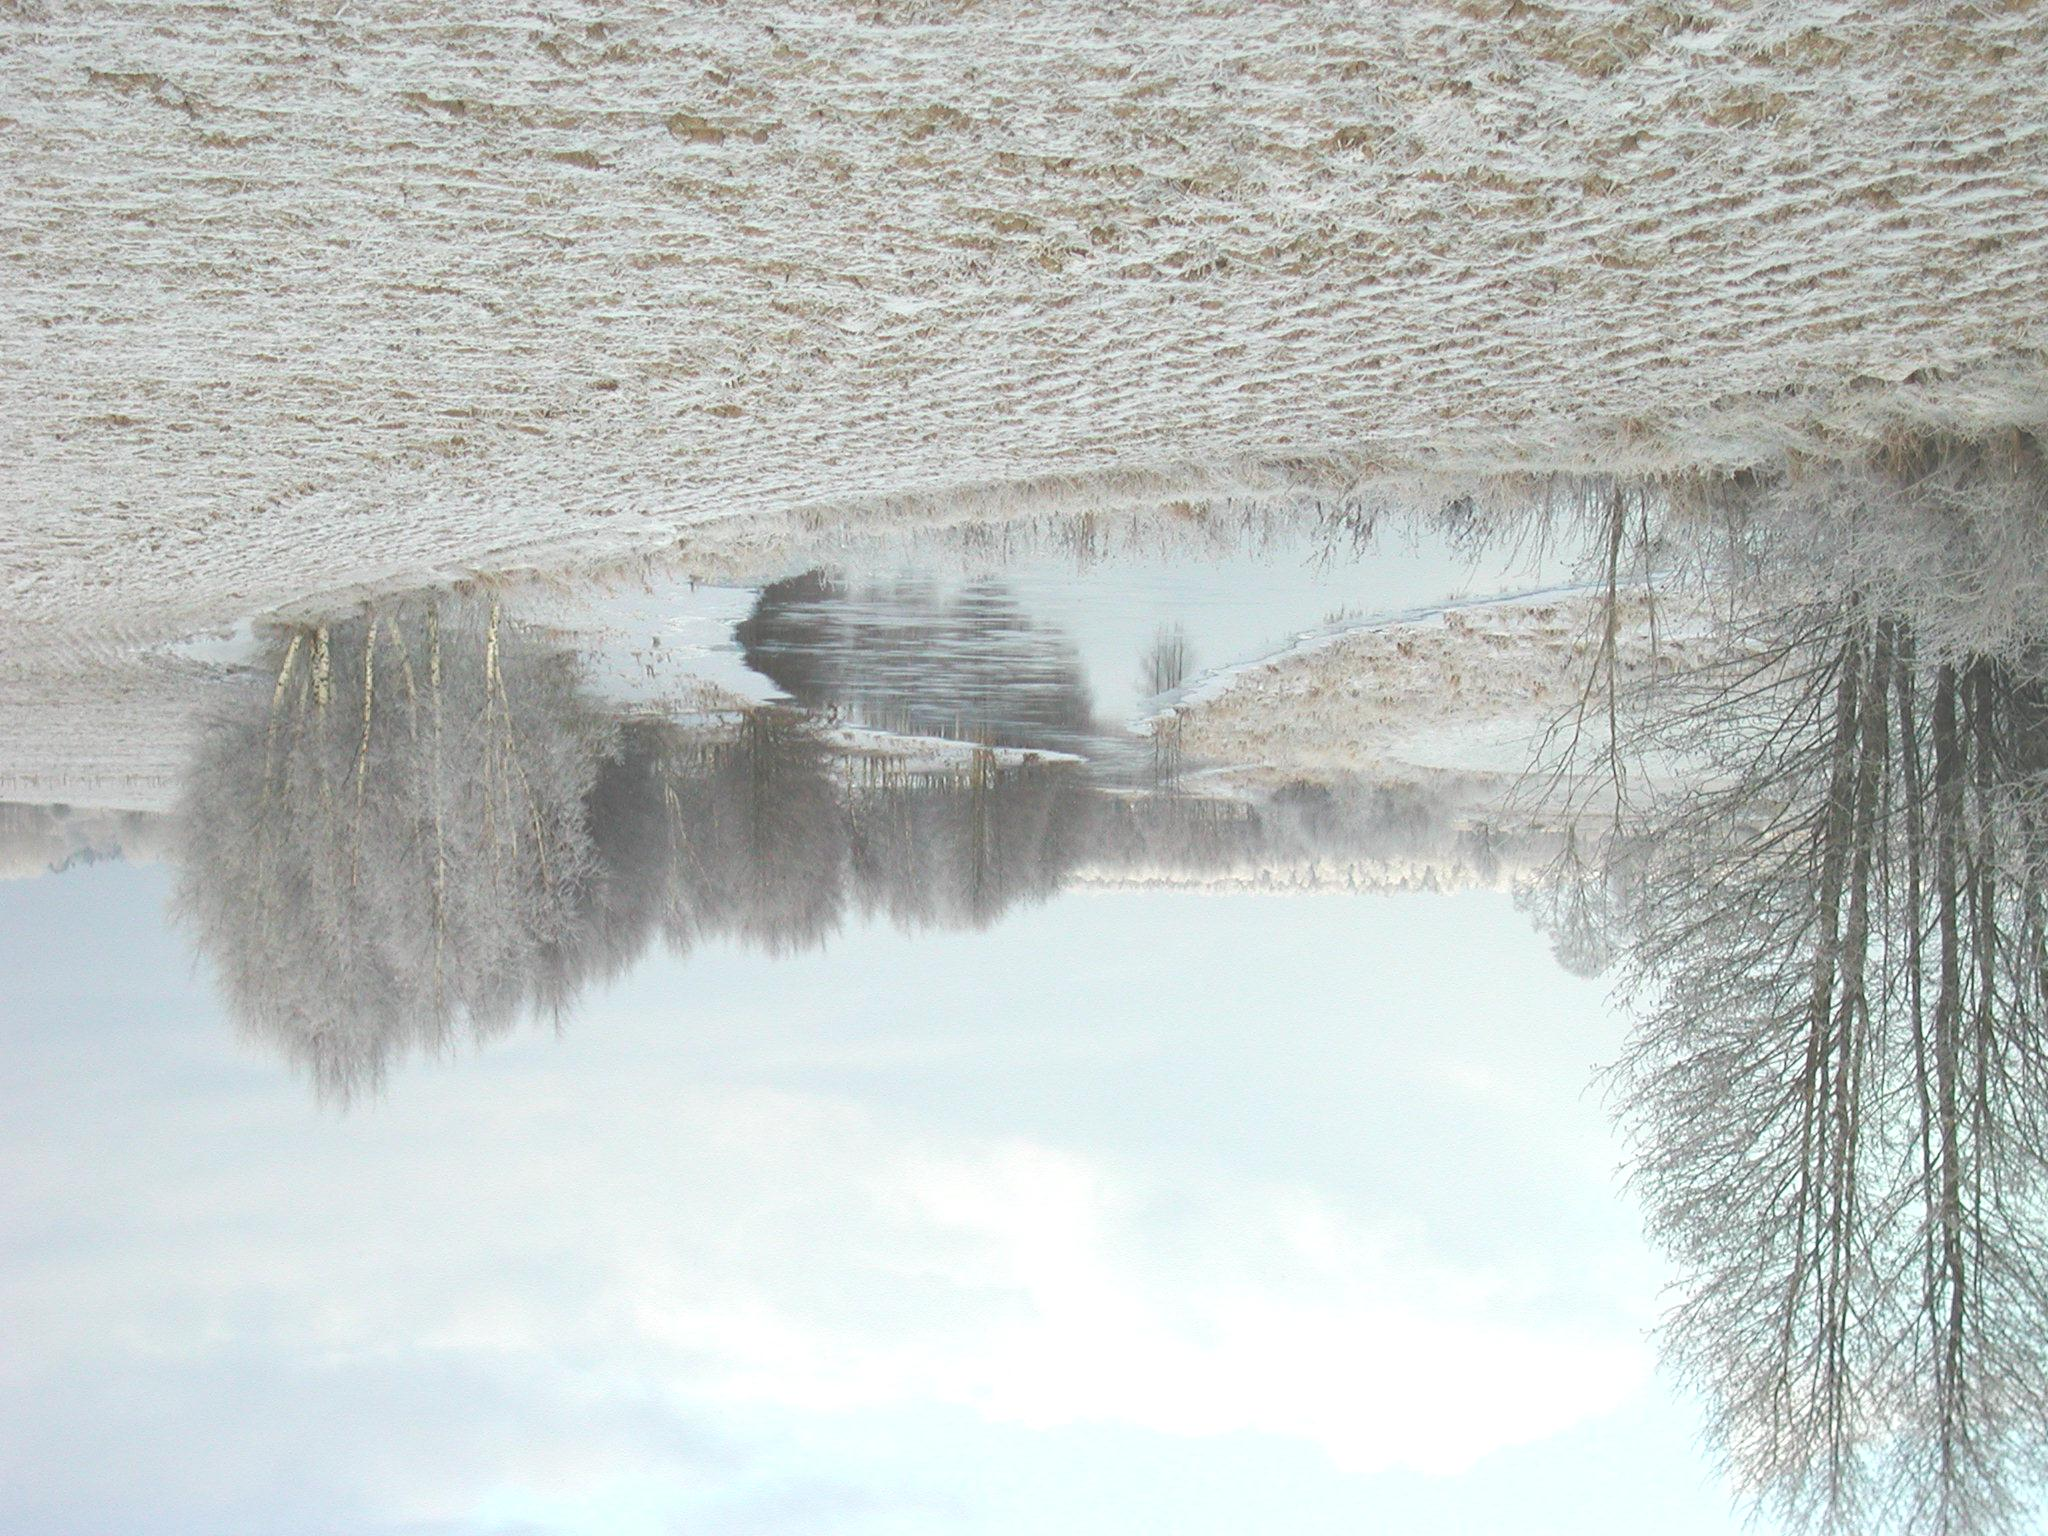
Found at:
<point>908,656</point>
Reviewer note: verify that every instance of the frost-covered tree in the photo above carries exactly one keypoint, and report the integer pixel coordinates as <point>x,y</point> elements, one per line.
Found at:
<point>960,847</point>
<point>1839,1079</point>
<point>388,848</point>
<point>420,830</point>
<point>1833,934</point>
<point>745,830</point>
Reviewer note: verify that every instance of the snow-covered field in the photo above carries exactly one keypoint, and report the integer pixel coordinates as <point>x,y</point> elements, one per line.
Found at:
<point>322,298</point>
<point>319,295</point>
<point>1463,693</point>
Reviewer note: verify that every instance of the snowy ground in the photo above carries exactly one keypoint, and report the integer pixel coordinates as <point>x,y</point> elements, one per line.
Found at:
<point>318,296</point>
<point>664,646</point>
<point>321,299</point>
<point>1466,693</point>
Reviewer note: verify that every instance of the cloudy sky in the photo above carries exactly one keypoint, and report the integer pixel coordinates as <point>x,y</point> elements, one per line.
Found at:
<point>1143,1211</point>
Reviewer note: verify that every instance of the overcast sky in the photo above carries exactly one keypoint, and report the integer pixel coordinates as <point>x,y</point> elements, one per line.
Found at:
<point>1145,1211</point>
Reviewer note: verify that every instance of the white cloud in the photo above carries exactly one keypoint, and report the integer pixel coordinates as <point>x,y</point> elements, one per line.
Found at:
<point>628,1265</point>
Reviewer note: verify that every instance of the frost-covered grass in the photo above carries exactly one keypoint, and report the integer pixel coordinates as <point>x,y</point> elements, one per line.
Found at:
<point>316,301</point>
<point>313,298</point>
<point>1464,690</point>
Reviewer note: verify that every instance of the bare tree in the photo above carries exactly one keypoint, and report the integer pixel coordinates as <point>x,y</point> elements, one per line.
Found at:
<point>1834,943</point>
<point>1840,1074</point>
<point>1167,661</point>
<point>962,846</point>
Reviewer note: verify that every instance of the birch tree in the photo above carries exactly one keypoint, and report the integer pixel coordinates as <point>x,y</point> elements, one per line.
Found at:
<point>389,848</point>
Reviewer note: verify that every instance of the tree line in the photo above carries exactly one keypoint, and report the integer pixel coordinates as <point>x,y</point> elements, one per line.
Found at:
<point>421,829</point>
